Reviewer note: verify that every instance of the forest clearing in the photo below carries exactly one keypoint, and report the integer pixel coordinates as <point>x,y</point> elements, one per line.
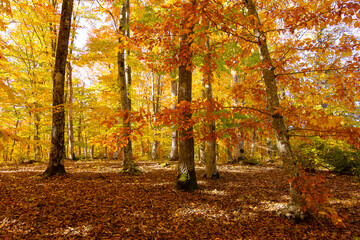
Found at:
<point>95,201</point>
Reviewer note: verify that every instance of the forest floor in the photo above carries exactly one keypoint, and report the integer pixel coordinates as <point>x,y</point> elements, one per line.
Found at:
<point>96,201</point>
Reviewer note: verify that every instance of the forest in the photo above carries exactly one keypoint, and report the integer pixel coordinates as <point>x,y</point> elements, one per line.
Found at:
<point>179,119</point>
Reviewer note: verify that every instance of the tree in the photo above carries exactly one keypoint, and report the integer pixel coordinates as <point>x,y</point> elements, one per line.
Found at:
<point>186,179</point>
<point>71,138</point>
<point>210,167</point>
<point>124,80</point>
<point>174,151</point>
<point>296,202</point>
<point>57,150</point>
<point>155,95</point>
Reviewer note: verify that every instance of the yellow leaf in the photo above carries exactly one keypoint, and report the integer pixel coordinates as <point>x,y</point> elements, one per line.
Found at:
<point>8,90</point>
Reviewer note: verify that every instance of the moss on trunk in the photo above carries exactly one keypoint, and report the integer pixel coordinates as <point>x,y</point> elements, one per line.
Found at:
<point>187,181</point>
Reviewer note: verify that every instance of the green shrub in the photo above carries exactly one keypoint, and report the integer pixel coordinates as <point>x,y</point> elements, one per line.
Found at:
<point>356,169</point>
<point>251,161</point>
<point>340,161</point>
<point>337,157</point>
<point>307,156</point>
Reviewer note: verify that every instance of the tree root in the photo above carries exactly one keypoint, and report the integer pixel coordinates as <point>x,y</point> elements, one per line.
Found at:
<point>131,171</point>
<point>293,213</point>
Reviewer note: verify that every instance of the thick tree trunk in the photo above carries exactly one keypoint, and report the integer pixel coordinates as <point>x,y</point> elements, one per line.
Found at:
<point>57,150</point>
<point>125,106</point>
<point>296,203</point>
<point>186,179</point>
<point>174,152</point>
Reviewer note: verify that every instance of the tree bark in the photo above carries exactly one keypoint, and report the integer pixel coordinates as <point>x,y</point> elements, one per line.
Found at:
<point>202,144</point>
<point>202,152</point>
<point>156,92</point>
<point>268,149</point>
<point>70,115</point>
<point>186,179</point>
<point>79,129</point>
<point>37,145</point>
<point>239,151</point>
<point>123,81</point>
<point>71,138</point>
<point>253,144</point>
<point>210,167</point>
<point>294,210</point>
<point>57,150</point>
<point>174,152</point>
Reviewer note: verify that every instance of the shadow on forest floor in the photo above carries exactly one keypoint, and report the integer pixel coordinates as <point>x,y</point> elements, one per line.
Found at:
<point>94,200</point>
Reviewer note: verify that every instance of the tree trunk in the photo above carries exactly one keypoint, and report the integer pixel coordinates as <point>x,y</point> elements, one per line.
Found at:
<point>294,210</point>
<point>37,145</point>
<point>154,150</point>
<point>14,141</point>
<point>71,138</point>
<point>174,152</point>
<point>229,155</point>
<point>70,114</point>
<point>128,163</point>
<point>79,133</point>
<point>202,144</point>
<point>210,167</point>
<point>85,148</point>
<point>156,92</point>
<point>186,179</point>
<point>268,149</point>
<point>239,151</point>
<point>57,150</point>
<point>253,144</point>
<point>202,152</point>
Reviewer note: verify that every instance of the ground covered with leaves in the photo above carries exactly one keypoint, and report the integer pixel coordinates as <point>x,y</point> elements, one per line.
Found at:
<point>96,201</point>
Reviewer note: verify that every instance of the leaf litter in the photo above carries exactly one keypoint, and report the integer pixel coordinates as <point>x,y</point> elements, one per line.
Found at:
<point>97,201</point>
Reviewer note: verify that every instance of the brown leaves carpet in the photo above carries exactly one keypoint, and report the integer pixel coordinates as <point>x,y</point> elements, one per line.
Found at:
<point>95,201</point>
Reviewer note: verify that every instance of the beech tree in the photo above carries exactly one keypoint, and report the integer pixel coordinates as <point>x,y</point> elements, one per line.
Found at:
<point>210,168</point>
<point>155,95</point>
<point>57,151</point>
<point>70,122</point>
<point>124,81</point>
<point>296,202</point>
<point>186,179</point>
